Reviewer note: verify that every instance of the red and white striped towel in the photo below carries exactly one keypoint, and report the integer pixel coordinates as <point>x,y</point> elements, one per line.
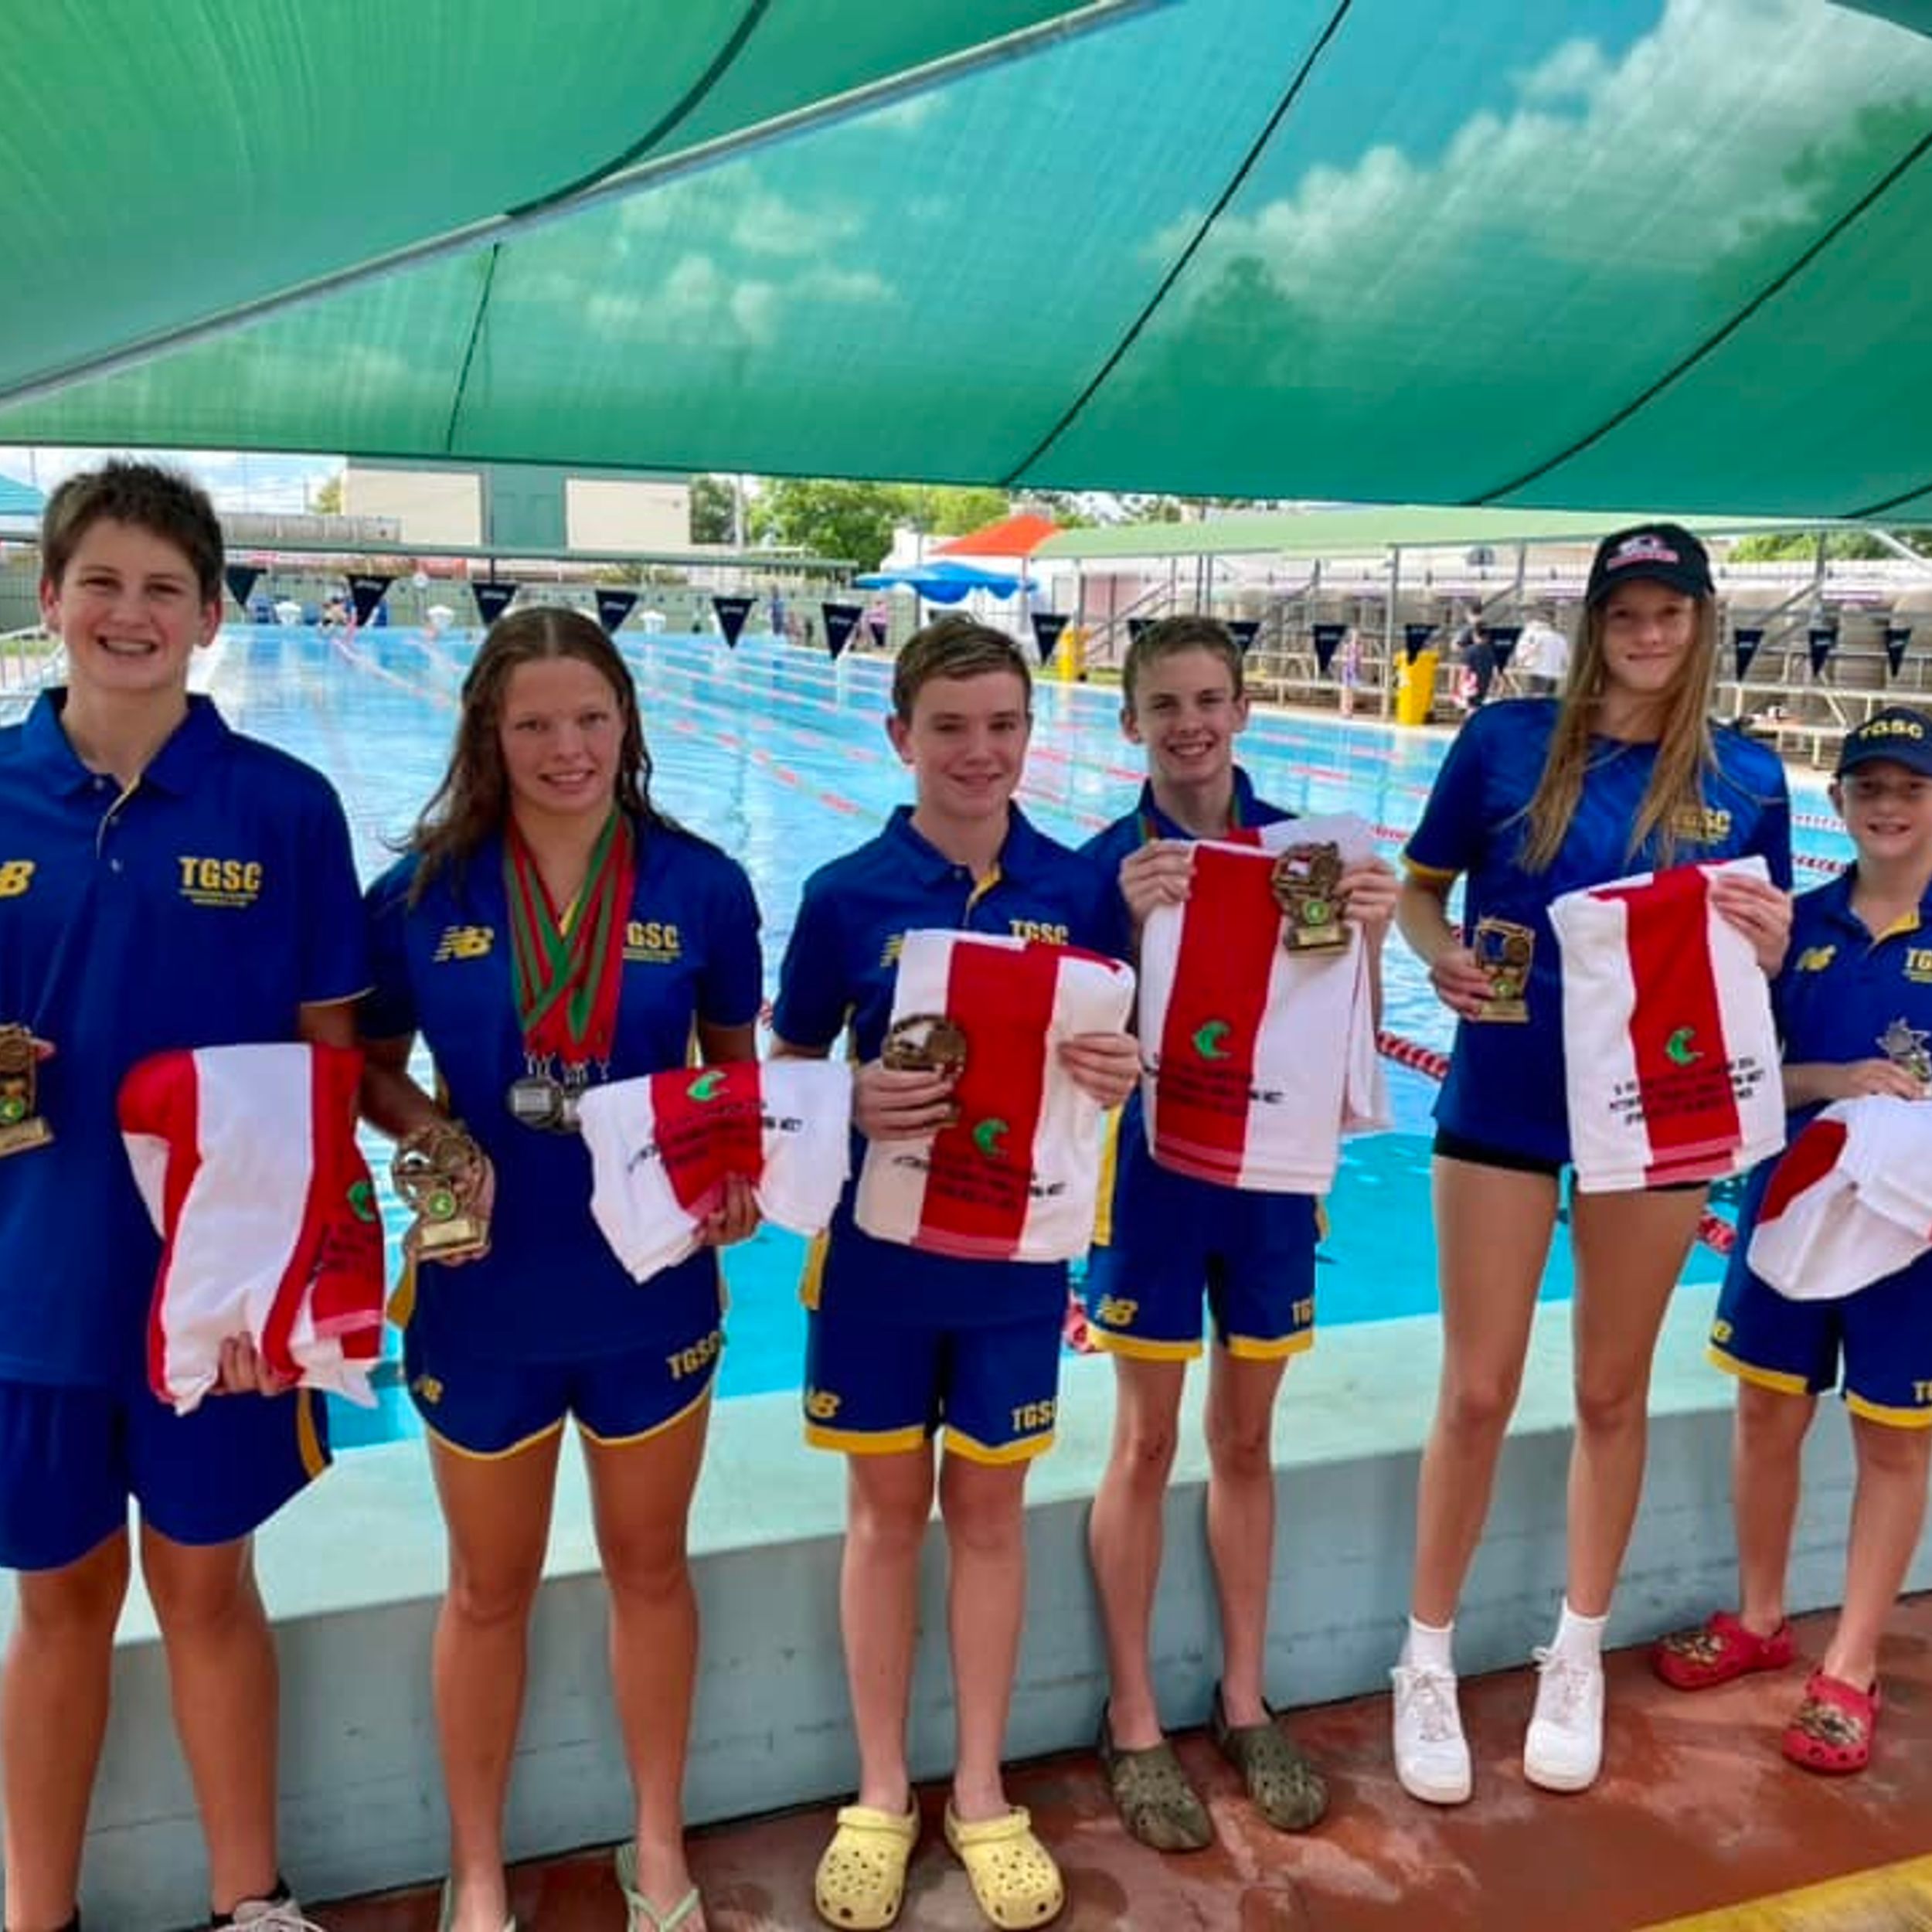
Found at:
<point>246,1158</point>
<point>1670,1051</point>
<point>1259,1058</point>
<point>662,1147</point>
<point>1016,1177</point>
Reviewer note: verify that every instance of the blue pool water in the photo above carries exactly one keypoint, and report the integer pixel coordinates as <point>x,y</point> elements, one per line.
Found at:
<point>780,756</point>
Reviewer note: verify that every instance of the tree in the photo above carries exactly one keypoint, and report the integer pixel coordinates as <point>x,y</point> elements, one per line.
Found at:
<point>713,510</point>
<point>1802,546</point>
<point>948,510</point>
<point>328,499</point>
<point>830,518</point>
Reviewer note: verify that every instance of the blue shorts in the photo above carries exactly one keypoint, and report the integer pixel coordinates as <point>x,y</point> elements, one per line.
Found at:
<point>1170,1235</point>
<point>1876,1344</point>
<point>879,1389</point>
<point>493,1408</point>
<point>70,1459</point>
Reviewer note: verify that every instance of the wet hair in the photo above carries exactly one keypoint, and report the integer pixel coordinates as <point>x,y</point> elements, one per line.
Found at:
<point>162,502</point>
<point>1685,753</point>
<point>955,646</point>
<point>1168,637</point>
<point>473,801</point>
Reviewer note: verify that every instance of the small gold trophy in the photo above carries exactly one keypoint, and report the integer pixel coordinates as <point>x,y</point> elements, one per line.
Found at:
<point>1308,888</point>
<point>438,1172</point>
<point>20,1124</point>
<point>925,1043</point>
<point>1503,950</point>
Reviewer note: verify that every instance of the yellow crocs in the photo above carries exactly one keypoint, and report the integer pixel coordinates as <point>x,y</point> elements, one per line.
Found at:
<point>1013,1875</point>
<point>861,1882</point>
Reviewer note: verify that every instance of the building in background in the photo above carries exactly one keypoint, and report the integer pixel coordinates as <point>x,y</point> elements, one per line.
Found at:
<point>531,507</point>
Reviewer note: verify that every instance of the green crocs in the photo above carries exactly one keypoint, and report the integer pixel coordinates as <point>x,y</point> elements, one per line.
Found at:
<point>1287,1791</point>
<point>1157,1803</point>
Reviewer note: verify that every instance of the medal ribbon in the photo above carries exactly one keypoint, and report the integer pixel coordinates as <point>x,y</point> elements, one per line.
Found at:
<point>568,969</point>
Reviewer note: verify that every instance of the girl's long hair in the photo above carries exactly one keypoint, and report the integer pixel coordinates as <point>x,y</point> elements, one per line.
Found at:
<point>473,801</point>
<point>1674,801</point>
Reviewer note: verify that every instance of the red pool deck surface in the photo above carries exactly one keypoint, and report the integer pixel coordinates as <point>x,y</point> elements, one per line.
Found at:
<point>1696,1812</point>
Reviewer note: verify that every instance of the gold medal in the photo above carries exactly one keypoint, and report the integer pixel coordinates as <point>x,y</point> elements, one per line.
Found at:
<point>924,1043</point>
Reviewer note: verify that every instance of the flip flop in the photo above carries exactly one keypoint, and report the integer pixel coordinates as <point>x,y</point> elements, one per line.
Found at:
<point>643,1916</point>
<point>447,1915</point>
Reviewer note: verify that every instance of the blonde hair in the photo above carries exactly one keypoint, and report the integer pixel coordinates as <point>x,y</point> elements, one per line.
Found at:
<point>1685,753</point>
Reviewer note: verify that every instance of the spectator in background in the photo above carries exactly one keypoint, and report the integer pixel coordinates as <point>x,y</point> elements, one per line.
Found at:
<point>1476,654</point>
<point>1542,656</point>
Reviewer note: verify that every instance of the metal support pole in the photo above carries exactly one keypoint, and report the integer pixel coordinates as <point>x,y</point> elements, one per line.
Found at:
<point>1389,632</point>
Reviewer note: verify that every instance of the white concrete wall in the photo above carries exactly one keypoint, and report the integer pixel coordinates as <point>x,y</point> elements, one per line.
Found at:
<point>620,513</point>
<point>430,506</point>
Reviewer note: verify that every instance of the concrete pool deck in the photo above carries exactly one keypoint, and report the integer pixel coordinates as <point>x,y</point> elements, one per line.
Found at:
<point>352,1573</point>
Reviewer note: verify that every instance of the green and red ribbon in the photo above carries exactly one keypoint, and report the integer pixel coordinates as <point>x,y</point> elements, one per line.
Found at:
<point>569,964</point>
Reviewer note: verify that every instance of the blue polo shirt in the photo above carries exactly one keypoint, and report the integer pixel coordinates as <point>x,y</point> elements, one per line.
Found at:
<point>1841,988</point>
<point>1147,821</point>
<point>550,1290</point>
<point>201,907</point>
<point>1505,1087</point>
<point>839,969</point>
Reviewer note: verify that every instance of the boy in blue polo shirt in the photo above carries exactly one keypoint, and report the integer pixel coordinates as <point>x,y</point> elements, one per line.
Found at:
<point>120,798</point>
<point>1855,1009</point>
<point>901,1342</point>
<point>1169,1238</point>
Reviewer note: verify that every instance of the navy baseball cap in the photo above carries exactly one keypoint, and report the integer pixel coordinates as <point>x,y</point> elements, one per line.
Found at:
<point>1898,734</point>
<point>1663,553</point>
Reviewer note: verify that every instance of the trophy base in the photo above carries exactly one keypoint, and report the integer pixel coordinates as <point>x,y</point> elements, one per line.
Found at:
<point>1316,939</point>
<point>18,1136</point>
<point>461,1238</point>
<point>1506,1012</point>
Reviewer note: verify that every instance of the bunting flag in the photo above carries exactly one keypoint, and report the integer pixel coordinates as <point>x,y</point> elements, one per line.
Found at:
<point>366,593</point>
<point>841,621</point>
<point>879,630</point>
<point>1047,627</point>
<point>242,579</point>
<point>1824,638</point>
<point>1244,630</point>
<point>732,613</point>
<point>613,606</point>
<point>1327,641</point>
<point>493,598</point>
<point>1897,636</point>
<point>1745,639</point>
<point>1415,638</point>
<point>1502,640</point>
<point>1136,628</point>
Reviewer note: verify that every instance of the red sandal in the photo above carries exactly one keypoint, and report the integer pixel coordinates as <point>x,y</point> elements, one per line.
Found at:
<point>1833,1728</point>
<point>1718,1650</point>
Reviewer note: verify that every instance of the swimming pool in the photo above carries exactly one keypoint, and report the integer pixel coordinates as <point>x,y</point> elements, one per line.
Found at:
<point>779,755</point>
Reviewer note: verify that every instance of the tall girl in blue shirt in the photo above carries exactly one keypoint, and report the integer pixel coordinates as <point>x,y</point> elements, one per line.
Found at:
<point>1621,773</point>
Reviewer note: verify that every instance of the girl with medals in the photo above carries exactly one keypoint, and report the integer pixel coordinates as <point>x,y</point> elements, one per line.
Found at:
<point>548,928</point>
<point>1623,773</point>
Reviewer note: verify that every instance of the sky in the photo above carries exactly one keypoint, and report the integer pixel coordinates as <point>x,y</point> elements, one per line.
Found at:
<point>236,480</point>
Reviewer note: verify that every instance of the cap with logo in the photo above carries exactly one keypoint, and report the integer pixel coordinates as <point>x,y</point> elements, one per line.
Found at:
<point>1662,552</point>
<point>1898,734</point>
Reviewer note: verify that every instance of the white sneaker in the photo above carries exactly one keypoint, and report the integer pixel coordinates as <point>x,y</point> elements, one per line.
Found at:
<point>273,1915</point>
<point>1432,1756</point>
<point>1564,1749</point>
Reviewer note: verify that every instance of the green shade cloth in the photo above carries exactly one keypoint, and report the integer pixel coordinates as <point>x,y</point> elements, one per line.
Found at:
<point>1586,254</point>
